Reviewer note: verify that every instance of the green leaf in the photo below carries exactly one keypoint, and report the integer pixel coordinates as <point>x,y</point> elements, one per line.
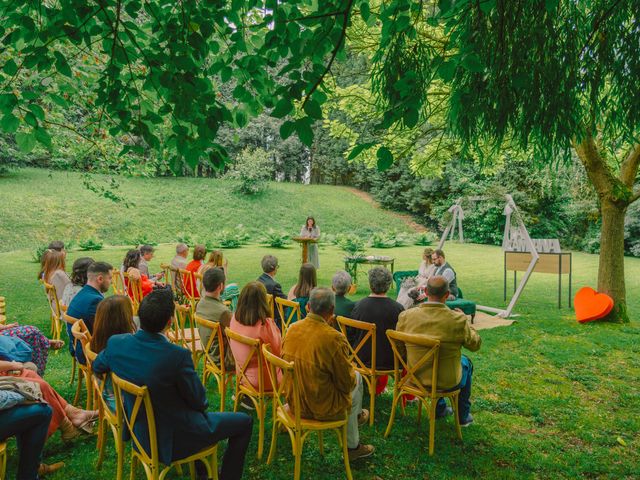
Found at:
<point>305,132</point>
<point>10,68</point>
<point>551,5</point>
<point>31,119</point>
<point>472,63</point>
<point>26,141</point>
<point>358,149</point>
<point>286,129</point>
<point>385,158</point>
<point>43,137</point>
<point>282,108</point>
<point>447,70</point>
<point>365,11</point>
<point>313,109</point>
<point>10,123</point>
<point>37,110</point>
<point>61,65</point>
<point>411,117</point>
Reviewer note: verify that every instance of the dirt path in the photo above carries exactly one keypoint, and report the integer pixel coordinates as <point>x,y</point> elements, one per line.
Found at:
<point>411,223</point>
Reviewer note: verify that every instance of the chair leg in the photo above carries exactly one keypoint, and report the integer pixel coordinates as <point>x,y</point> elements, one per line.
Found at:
<point>261,412</point>
<point>345,453</point>
<point>132,474</point>
<point>394,404</point>
<point>320,443</point>
<point>297,456</point>
<point>456,406</point>
<point>372,398</point>
<point>89,384</point>
<point>73,370</point>
<point>432,424</point>
<point>214,465</point>
<point>76,399</point>
<point>223,392</point>
<point>120,456</point>
<point>192,470</point>
<point>274,441</point>
<point>101,442</point>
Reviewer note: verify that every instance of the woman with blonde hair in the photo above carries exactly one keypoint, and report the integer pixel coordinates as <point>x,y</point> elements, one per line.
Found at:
<point>253,319</point>
<point>231,290</point>
<point>53,271</point>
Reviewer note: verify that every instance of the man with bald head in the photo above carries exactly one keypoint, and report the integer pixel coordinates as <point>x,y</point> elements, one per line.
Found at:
<point>434,319</point>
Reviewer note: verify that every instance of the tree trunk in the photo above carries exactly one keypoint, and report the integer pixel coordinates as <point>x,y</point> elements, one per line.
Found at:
<point>611,266</point>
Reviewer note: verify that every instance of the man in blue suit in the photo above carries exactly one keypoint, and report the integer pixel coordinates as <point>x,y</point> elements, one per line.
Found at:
<point>183,425</point>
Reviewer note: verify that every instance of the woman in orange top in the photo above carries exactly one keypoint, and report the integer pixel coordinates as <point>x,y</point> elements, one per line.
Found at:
<point>130,265</point>
<point>189,284</point>
<point>252,320</point>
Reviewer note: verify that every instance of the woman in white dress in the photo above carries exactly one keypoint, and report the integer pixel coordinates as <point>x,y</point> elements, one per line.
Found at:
<point>426,270</point>
<point>311,230</point>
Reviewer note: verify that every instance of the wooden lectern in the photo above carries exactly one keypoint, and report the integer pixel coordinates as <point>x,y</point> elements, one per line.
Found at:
<point>305,241</point>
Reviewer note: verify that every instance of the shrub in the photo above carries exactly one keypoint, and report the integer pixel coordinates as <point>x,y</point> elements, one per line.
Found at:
<point>276,239</point>
<point>186,238</point>
<point>141,239</point>
<point>352,244</point>
<point>425,238</point>
<point>36,257</point>
<point>252,170</point>
<point>232,238</point>
<point>90,244</point>
<point>632,230</point>
<point>387,240</point>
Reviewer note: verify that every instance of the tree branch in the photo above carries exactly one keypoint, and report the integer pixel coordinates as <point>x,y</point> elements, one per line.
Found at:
<point>630,165</point>
<point>635,197</point>
<point>601,177</point>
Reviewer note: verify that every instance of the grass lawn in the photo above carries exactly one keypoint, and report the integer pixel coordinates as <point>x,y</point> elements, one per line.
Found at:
<point>551,398</point>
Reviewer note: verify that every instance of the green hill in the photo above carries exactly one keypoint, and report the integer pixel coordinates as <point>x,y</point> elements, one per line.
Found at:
<point>40,205</point>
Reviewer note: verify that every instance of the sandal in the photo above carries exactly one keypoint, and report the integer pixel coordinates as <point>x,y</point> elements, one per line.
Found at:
<point>45,469</point>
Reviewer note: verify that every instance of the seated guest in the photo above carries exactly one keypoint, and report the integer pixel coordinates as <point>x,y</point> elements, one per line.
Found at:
<point>268,279</point>
<point>383,311</point>
<point>252,319</point>
<point>178,262</point>
<point>425,271</point>
<point>341,284</point>
<point>330,388</point>
<point>216,259</point>
<point>54,272</point>
<point>146,253</point>
<point>307,281</point>
<point>179,400</point>
<point>29,424</point>
<point>131,265</point>
<point>442,268</point>
<point>434,319</point>
<point>114,316</point>
<point>210,307</point>
<point>67,418</point>
<point>189,286</point>
<point>84,304</point>
<point>56,245</point>
<point>78,279</point>
<point>36,342</point>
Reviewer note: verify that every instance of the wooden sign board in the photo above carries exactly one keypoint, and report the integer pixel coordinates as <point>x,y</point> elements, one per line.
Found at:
<point>547,263</point>
<point>542,245</point>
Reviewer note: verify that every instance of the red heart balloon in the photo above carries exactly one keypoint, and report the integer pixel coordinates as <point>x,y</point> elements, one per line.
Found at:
<point>591,305</point>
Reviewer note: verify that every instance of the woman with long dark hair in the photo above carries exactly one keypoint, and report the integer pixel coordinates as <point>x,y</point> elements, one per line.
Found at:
<point>311,230</point>
<point>307,281</point>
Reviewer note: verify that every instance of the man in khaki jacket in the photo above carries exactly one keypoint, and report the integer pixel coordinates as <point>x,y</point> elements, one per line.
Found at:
<point>434,319</point>
<point>329,385</point>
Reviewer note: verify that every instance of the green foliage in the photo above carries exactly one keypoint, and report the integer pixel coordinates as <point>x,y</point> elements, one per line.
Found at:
<point>186,238</point>
<point>232,237</point>
<point>89,244</point>
<point>142,239</point>
<point>350,243</point>
<point>36,257</point>
<point>632,230</point>
<point>424,238</point>
<point>276,239</point>
<point>251,171</point>
<point>388,239</point>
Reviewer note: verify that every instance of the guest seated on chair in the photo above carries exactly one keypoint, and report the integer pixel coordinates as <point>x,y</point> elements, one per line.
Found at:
<point>407,293</point>
<point>330,387</point>
<point>84,304</point>
<point>179,261</point>
<point>307,281</point>
<point>146,253</point>
<point>210,307</point>
<point>383,311</point>
<point>54,272</point>
<point>26,343</point>
<point>131,266</point>
<point>434,319</point>
<point>183,425</point>
<point>71,421</point>
<point>445,270</point>
<point>252,319</point>
<point>56,245</point>
<point>268,279</point>
<point>189,287</point>
<point>231,291</point>
<point>114,316</point>
<point>341,284</point>
<point>78,279</point>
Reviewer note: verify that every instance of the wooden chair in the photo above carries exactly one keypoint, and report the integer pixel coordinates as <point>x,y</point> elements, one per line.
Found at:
<point>82,336</point>
<point>287,316</point>
<point>298,428</point>
<point>3,459</point>
<point>55,310</point>
<point>133,289</point>
<point>189,287</point>
<point>210,367</point>
<point>186,335</point>
<point>149,459</point>
<point>117,282</point>
<point>166,269</point>
<point>3,311</point>
<point>258,396</point>
<point>271,305</point>
<point>409,384</point>
<point>107,417</point>
<point>67,319</point>
<point>369,374</point>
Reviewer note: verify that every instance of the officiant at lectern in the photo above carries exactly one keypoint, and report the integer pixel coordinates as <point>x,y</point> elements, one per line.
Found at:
<point>311,230</point>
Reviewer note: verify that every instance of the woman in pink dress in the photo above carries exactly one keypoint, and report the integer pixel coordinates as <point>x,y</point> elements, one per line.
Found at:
<point>252,319</point>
